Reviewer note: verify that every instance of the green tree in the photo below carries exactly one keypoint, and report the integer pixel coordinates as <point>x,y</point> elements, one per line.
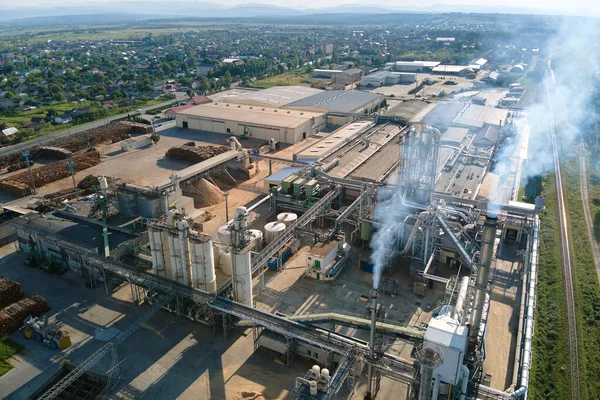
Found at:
<point>9,95</point>
<point>227,80</point>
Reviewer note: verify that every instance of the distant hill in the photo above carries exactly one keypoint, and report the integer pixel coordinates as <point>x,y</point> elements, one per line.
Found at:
<point>201,9</point>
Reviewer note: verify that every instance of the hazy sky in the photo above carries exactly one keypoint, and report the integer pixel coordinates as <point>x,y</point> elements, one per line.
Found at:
<point>584,7</point>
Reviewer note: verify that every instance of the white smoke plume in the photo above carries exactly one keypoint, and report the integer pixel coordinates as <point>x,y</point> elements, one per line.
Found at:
<point>389,214</point>
<point>572,72</point>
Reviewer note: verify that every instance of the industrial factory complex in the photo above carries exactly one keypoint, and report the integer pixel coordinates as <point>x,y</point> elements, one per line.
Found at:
<point>245,268</point>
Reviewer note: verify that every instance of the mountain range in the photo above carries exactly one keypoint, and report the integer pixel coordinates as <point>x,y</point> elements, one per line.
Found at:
<point>198,9</point>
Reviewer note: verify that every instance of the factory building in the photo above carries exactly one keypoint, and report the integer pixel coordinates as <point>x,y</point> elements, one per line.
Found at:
<point>414,66</point>
<point>465,115</point>
<point>285,126</point>
<point>277,96</point>
<point>343,101</point>
<point>386,78</point>
<point>341,76</point>
<point>453,137</point>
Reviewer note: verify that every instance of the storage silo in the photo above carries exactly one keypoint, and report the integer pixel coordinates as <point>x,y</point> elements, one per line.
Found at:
<point>242,289</point>
<point>273,230</point>
<point>225,261</point>
<point>256,237</point>
<point>203,267</point>
<point>149,207</point>
<point>287,218</point>
<point>128,204</point>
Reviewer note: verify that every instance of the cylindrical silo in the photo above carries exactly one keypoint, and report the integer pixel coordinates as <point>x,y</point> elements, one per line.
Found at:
<point>224,234</point>
<point>273,230</point>
<point>203,267</point>
<point>242,281</point>
<point>287,218</point>
<point>157,249</point>
<point>176,258</point>
<point>256,237</point>
<point>128,204</point>
<point>149,207</point>
<point>225,261</point>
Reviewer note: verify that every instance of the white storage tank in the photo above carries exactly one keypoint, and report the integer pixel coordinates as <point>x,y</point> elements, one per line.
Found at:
<point>273,230</point>
<point>203,267</point>
<point>225,261</point>
<point>256,237</point>
<point>287,218</point>
<point>224,234</point>
<point>242,282</point>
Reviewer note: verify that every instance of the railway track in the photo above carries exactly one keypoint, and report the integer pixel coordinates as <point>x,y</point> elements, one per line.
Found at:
<point>567,266</point>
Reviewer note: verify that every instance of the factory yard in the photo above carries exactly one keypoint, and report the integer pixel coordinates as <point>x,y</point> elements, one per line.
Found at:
<point>168,357</point>
<point>401,91</point>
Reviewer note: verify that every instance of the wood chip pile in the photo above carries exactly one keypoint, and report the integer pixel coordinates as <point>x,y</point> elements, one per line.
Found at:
<point>195,154</point>
<point>19,165</point>
<point>13,316</point>
<point>10,292</point>
<point>49,173</point>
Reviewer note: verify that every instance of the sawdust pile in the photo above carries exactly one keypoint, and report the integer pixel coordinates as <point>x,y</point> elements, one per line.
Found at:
<point>210,193</point>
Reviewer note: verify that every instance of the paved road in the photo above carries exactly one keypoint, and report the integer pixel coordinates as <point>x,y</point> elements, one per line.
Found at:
<point>81,128</point>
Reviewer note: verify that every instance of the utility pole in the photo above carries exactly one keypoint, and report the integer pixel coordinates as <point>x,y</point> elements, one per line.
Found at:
<point>70,165</point>
<point>26,155</point>
<point>226,194</point>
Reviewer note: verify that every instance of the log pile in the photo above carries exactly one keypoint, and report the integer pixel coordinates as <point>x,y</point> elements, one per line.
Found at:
<point>50,173</point>
<point>137,128</point>
<point>195,154</point>
<point>10,292</point>
<point>19,165</point>
<point>53,153</point>
<point>13,316</point>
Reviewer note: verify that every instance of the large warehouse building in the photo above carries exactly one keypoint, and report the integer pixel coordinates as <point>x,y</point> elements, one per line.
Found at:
<point>343,101</point>
<point>277,96</point>
<point>286,126</point>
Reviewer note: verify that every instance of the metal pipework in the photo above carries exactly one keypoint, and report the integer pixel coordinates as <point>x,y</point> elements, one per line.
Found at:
<point>483,275</point>
<point>370,383</point>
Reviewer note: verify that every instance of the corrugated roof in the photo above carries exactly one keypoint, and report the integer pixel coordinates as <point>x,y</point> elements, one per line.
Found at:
<point>272,341</point>
<point>449,68</point>
<point>338,100</point>
<point>275,97</point>
<point>266,116</point>
<point>282,174</point>
<point>454,135</point>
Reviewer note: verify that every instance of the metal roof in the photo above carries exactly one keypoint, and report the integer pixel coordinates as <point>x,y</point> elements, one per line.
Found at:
<point>454,135</point>
<point>275,97</point>
<point>282,174</point>
<point>447,333</point>
<point>244,114</point>
<point>338,100</point>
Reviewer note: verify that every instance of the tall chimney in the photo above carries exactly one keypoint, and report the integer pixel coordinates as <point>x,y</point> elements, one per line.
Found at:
<point>483,275</point>
<point>370,383</point>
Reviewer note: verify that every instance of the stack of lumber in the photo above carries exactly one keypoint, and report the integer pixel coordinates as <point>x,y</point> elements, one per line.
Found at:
<point>13,316</point>
<point>10,292</point>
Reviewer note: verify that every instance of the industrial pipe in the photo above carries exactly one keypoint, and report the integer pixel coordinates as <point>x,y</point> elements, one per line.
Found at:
<point>464,383</point>
<point>483,275</point>
<point>370,384</point>
<point>436,387</point>
<point>462,296</point>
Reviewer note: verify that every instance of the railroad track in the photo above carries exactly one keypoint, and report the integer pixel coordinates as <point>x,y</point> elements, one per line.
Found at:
<point>566,260</point>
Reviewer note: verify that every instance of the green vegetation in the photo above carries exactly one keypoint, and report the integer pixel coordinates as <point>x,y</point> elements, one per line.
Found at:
<point>587,293</point>
<point>8,348</point>
<point>549,379</point>
<point>593,170</point>
<point>293,77</point>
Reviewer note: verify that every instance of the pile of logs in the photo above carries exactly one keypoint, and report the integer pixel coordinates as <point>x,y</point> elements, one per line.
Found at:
<point>13,316</point>
<point>195,154</point>
<point>10,292</point>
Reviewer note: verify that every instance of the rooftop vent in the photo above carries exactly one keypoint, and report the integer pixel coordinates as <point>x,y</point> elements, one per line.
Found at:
<point>301,113</point>
<point>239,106</point>
<point>226,105</point>
<point>275,110</point>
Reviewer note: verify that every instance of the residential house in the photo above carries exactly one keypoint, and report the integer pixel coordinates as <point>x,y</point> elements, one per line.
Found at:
<point>197,100</point>
<point>203,69</point>
<point>63,119</point>
<point>9,131</point>
<point>6,104</point>
<point>154,95</point>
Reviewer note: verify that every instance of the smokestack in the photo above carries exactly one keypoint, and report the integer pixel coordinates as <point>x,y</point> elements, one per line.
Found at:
<point>370,383</point>
<point>483,275</point>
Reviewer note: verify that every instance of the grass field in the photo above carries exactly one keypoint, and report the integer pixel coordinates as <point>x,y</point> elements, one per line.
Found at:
<point>593,169</point>
<point>289,78</point>
<point>550,358</point>
<point>8,348</point>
